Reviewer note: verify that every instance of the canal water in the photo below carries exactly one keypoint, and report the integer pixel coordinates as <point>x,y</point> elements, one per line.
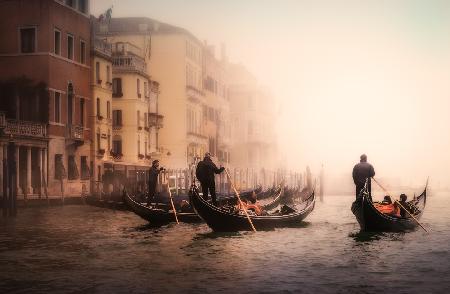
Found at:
<point>84,249</point>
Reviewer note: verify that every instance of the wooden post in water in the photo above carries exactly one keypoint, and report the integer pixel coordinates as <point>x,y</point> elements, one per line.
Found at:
<point>5,180</point>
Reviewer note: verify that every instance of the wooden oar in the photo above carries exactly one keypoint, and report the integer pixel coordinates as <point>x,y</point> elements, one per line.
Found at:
<point>171,202</point>
<point>396,201</point>
<point>240,201</point>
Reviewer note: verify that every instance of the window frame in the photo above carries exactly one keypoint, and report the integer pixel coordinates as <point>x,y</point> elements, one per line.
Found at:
<point>20,28</point>
<point>83,56</point>
<point>69,35</point>
<point>56,30</point>
<point>55,111</point>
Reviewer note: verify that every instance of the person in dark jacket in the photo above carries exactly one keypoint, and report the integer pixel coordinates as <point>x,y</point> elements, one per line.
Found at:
<point>205,174</point>
<point>153,180</point>
<point>361,172</point>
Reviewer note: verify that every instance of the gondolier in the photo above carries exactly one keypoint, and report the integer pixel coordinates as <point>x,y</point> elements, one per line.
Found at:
<point>361,172</point>
<point>205,174</point>
<point>153,180</point>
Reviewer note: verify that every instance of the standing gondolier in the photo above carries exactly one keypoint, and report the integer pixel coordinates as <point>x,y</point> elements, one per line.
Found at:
<point>205,174</point>
<point>361,172</point>
<point>153,180</point>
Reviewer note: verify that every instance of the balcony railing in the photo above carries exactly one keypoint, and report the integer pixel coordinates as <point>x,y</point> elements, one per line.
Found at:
<point>102,47</point>
<point>76,133</point>
<point>129,63</point>
<point>194,94</point>
<point>155,120</point>
<point>23,128</point>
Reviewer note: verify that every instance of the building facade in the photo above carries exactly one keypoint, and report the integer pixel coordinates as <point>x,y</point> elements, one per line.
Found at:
<point>253,115</point>
<point>101,105</point>
<point>45,44</point>
<point>192,85</point>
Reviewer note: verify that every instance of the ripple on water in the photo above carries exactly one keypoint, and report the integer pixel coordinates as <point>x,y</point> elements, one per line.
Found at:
<point>86,249</point>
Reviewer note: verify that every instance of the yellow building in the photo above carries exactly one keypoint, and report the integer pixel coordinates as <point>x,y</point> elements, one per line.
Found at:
<point>130,108</point>
<point>101,104</point>
<point>190,100</point>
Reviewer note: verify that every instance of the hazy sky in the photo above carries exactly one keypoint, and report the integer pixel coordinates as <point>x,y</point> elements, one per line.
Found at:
<point>352,76</point>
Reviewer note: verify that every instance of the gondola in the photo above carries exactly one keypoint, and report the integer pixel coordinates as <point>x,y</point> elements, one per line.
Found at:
<point>158,216</point>
<point>220,219</point>
<point>372,220</point>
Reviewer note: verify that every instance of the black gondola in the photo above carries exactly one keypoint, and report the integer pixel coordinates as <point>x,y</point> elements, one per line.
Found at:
<point>372,220</point>
<point>158,216</point>
<point>220,219</point>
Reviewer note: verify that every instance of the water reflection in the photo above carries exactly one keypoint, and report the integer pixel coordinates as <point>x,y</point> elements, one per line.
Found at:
<point>81,248</point>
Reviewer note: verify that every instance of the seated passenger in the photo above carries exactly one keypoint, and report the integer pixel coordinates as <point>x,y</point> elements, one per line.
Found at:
<point>387,200</point>
<point>387,207</point>
<point>404,205</point>
<point>248,205</point>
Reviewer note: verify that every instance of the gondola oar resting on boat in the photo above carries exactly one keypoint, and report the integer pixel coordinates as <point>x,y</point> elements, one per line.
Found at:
<point>240,201</point>
<point>398,203</point>
<point>171,202</point>
<point>371,219</point>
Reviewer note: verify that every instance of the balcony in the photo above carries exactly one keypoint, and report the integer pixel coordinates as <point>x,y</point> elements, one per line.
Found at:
<point>102,48</point>
<point>22,128</point>
<point>155,120</point>
<point>194,94</point>
<point>129,63</point>
<point>117,127</point>
<point>75,133</point>
<point>116,155</point>
<point>125,48</point>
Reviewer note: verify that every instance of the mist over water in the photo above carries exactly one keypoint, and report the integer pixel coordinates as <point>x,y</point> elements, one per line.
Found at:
<point>351,77</point>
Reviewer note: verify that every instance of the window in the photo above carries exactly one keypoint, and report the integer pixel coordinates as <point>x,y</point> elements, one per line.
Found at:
<point>70,104</point>
<point>99,142</point>
<point>82,111</point>
<point>82,6</point>
<point>57,107</point>
<point>73,173</point>
<point>60,171</point>
<point>27,40</point>
<point>97,72</point>
<point>108,109</point>
<point>69,46</point>
<point>139,146</point>
<point>145,89</point>
<point>57,41</point>
<point>145,148</point>
<point>117,145</point>
<point>117,87</point>
<point>109,140</point>
<point>145,120</point>
<point>85,172</point>
<point>117,117</point>
<point>98,107</point>
<point>138,118</point>
<point>82,52</point>
<point>139,88</point>
<point>70,3</point>
<point>108,74</point>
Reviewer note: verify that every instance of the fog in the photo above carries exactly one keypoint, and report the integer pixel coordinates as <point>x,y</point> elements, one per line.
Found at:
<point>351,77</point>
